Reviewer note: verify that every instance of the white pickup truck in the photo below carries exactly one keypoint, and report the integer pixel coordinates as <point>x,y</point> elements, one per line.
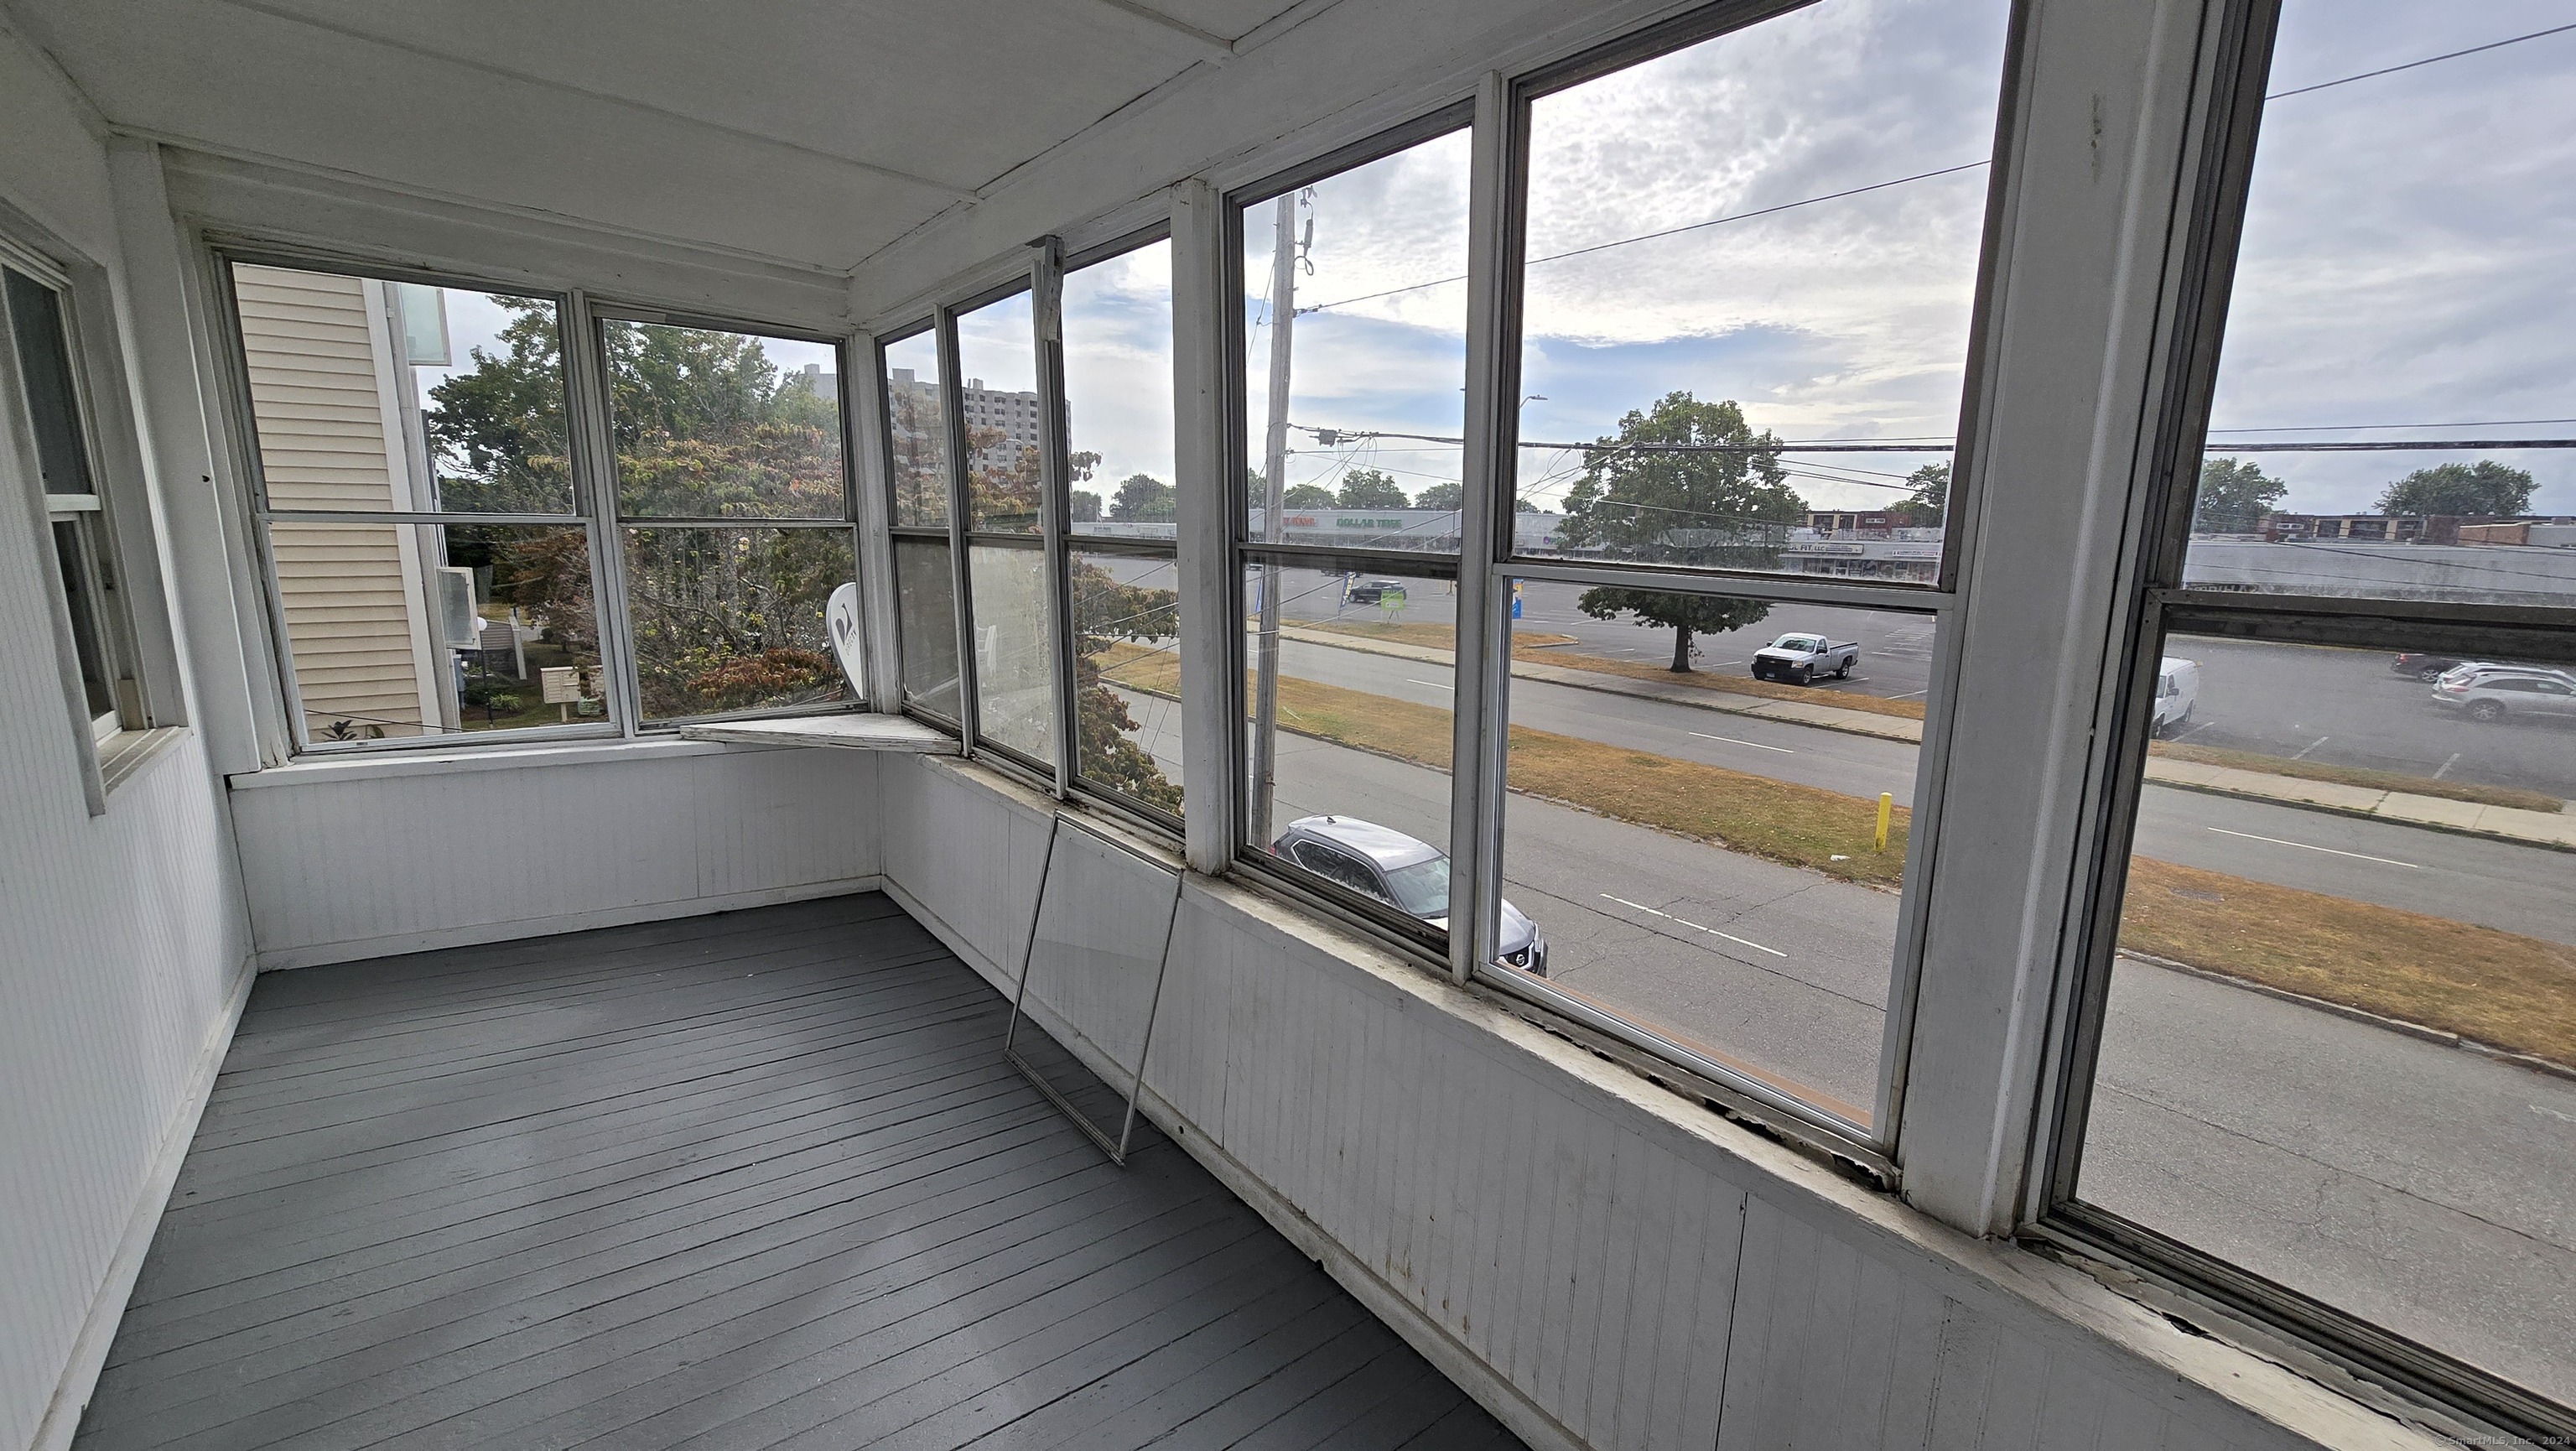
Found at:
<point>1801,658</point>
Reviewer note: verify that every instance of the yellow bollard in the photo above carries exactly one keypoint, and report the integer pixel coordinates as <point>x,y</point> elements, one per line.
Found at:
<point>1886,810</point>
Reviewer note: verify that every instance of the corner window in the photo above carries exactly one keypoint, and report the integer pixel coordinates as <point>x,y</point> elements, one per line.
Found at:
<point>53,435</point>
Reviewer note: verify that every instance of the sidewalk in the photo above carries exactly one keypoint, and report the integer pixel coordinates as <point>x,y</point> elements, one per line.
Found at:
<point>2539,827</point>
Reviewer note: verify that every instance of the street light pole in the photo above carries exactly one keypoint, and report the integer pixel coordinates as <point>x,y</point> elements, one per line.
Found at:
<point>1274,467</point>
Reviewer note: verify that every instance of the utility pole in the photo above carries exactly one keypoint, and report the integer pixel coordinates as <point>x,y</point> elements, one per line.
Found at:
<point>1274,468</point>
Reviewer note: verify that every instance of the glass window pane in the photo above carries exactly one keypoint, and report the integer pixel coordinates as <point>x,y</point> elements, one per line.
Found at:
<point>997,358</point>
<point>1766,239</point>
<point>2277,1083</point>
<point>45,374</point>
<point>1350,723</point>
<point>730,619</point>
<point>1681,857</point>
<point>71,556</point>
<point>371,395</point>
<point>1127,676</point>
<point>1118,393</point>
<point>917,429</point>
<point>397,630</point>
<point>1014,663</point>
<point>926,617</point>
<point>1368,354</point>
<point>2402,292</point>
<point>723,425</point>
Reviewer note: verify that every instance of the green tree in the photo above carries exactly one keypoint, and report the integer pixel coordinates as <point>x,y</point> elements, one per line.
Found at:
<point>496,434</point>
<point>1443,495</point>
<point>2234,496</point>
<point>1143,498</point>
<point>1086,507</point>
<point>1720,499</point>
<point>2484,487</point>
<point>1106,613</point>
<point>1304,496</point>
<point>1369,489</point>
<point>1526,506</point>
<point>1930,501</point>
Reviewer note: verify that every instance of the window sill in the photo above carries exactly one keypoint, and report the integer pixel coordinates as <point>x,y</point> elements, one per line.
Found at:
<point>848,730</point>
<point>314,772</point>
<point>122,757</point>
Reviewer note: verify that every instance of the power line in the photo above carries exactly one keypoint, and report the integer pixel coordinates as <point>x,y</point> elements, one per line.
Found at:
<point>2428,60</point>
<point>2358,427</point>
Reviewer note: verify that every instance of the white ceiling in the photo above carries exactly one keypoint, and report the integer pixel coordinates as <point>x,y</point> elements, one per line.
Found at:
<point>814,132</point>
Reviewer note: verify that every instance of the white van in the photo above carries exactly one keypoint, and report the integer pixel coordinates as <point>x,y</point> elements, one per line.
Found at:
<point>2177,688</point>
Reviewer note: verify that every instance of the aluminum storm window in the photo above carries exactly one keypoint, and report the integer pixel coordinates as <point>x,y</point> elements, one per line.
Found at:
<point>1352,327</point>
<point>51,434</point>
<point>2322,1069</point>
<point>450,555</point>
<point>917,445</point>
<point>1003,483</point>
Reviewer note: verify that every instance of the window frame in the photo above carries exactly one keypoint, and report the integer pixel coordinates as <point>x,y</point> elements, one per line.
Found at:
<point>580,318</point>
<point>105,739</point>
<point>2151,603</point>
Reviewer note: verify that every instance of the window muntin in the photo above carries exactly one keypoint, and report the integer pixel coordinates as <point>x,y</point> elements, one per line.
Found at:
<point>1349,744</point>
<point>2400,293</point>
<point>997,401</point>
<point>730,619</point>
<point>1014,669</point>
<point>714,424</point>
<point>1736,251</point>
<point>926,620</point>
<point>1698,866</point>
<point>2271,1087</point>
<point>1377,349</point>
<point>76,517</point>
<point>916,433</point>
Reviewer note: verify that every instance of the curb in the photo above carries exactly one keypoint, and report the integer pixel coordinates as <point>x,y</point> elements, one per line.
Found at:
<point>2443,1036</point>
<point>2471,832</point>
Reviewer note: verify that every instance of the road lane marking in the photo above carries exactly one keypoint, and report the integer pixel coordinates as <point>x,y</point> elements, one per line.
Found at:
<point>2447,765</point>
<point>1909,695</point>
<point>1732,741</point>
<point>1686,922</point>
<point>2553,1113</point>
<point>2312,745</point>
<point>1434,684</point>
<point>2330,851</point>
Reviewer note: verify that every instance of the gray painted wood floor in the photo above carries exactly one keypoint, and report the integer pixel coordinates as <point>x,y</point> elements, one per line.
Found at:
<point>759,1179</point>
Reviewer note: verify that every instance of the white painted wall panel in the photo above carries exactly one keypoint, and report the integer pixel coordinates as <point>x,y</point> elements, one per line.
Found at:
<point>1630,1272</point>
<point>121,936</point>
<point>341,866</point>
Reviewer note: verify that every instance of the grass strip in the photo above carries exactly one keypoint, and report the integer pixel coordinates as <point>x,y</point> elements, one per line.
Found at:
<point>2361,776</point>
<point>2513,992</point>
<point>2503,989</point>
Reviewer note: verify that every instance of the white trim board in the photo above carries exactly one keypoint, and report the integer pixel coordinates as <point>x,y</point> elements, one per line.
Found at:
<point>322,954</point>
<point>107,1307</point>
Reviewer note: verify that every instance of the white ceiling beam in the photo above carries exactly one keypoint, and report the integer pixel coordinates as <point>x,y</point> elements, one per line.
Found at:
<point>887,173</point>
<point>1216,47</point>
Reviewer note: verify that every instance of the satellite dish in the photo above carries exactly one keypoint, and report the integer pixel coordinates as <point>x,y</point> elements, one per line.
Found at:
<point>841,622</point>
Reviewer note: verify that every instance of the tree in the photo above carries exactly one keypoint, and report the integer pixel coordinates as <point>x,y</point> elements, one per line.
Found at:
<point>2484,487</point>
<point>1304,496</point>
<point>1086,507</point>
<point>1930,500</point>
<point>1723,502</point>
<point>1106,613</point>
<point>1442,495</point>
<point>1369,489</point>
<point>1142,497</point>
<point>2234,496</point>
<point>1526,506</point>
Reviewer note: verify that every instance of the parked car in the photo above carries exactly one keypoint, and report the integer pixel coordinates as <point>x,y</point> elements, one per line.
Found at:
<point>1405,872</point>
<point>1801,658</point>
<point>2427,668</point>
<point>1373,591</point>
<point>2177,690</point>
<point>2490,693</point>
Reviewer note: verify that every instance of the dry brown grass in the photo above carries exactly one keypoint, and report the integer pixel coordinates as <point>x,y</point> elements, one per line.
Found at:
<point>2500,988</point>
<point>2511,991</point>
<point>2361,776</point>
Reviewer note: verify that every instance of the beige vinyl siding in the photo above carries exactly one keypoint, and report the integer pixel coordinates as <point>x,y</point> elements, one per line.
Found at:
<point>350,593</point>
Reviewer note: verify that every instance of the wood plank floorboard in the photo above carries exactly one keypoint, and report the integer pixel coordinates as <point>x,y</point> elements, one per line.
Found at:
<point>760,1179</point>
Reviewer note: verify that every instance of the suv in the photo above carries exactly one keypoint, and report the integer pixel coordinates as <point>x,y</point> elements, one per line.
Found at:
<point>1408,874</point>
<point>1373,591</point>
<point>2491,692</point>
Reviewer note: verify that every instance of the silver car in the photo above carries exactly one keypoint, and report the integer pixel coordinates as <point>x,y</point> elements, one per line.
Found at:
<point>1405,872</point>
<point>2490,693</point>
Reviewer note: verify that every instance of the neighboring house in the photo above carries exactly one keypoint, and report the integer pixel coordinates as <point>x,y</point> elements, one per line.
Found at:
<point>339,428</point>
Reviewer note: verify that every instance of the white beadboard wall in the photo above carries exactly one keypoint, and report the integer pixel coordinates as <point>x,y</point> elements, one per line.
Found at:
<point>123,943</point>
<point>1602,1264</point>
<point>344,861</point>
